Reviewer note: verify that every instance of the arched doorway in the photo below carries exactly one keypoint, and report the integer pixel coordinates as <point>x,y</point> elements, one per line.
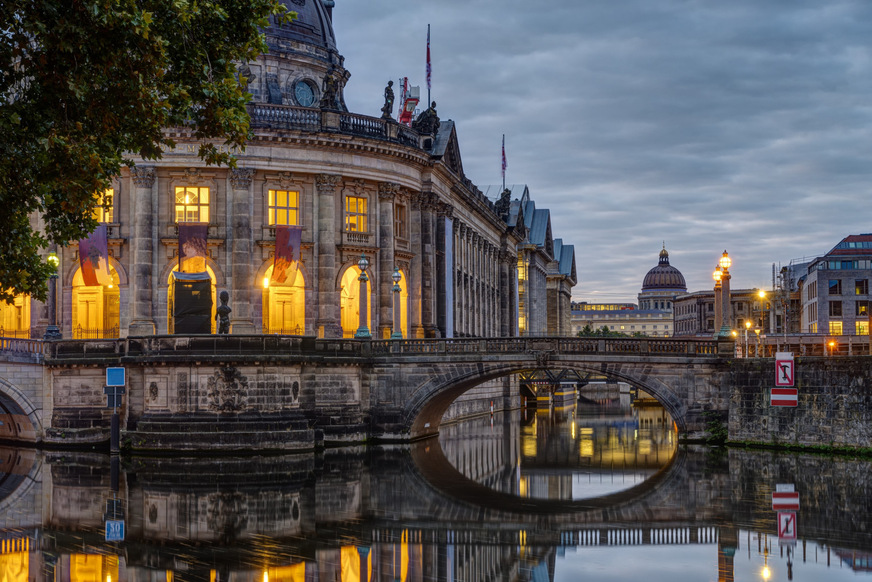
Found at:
<point>171,299</point>
<point>96,308</point>
<point>404,304</point>
<point>350,301</point>
<point>284,305</point>
<point>15,317</point>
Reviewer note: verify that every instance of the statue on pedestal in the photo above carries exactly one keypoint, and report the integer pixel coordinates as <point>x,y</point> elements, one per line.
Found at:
<point>222,314</point>
<point>388,107</point>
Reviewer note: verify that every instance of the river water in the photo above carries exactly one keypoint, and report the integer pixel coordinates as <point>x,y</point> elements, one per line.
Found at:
<point>601,490</point>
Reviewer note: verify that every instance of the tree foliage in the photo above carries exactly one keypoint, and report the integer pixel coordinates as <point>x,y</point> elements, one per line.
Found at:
<point>84,83</point>
<point>604,331</point>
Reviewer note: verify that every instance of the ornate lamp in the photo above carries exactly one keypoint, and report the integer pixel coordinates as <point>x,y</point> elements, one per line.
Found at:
<point>726,316</point>
<point>363,331</point>
<point>396,277</point>
<point>52,331</point>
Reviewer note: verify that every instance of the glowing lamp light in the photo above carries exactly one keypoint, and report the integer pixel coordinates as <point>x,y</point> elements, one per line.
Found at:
<point>747,325</point>
<point>266,282</point>
<point>53,260</point>
<point>762,294</point>
<point>717,274</point>
<point>766,573</point>
<point>725,261</point>
<point>265,576</point>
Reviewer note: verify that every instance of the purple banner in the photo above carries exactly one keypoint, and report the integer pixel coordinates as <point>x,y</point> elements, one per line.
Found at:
<point>287,255</point>
<point>94,258</point>
<point>192,246</point>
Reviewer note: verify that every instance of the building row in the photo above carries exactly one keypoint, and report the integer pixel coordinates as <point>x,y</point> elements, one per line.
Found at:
<point>374,202</point>
<point>828,295</point>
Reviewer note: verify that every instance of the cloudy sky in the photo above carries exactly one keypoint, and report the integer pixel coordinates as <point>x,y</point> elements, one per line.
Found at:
<point>741,125</point>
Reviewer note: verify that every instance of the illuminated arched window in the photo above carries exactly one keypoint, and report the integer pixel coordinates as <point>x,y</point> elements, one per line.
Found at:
<point>96,308</point>
<point>15,317</point>
<point>350,302</point>
<point>284,305</point>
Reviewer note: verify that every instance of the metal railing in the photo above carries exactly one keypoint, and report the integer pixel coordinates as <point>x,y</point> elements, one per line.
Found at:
<point>80,332</point>
<point>15,333</point>
<point>283,330</point>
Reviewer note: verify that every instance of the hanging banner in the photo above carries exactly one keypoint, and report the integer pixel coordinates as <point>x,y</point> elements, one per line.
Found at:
<point>94,258</point>
<point>193,246</point>
<point>287,255</point>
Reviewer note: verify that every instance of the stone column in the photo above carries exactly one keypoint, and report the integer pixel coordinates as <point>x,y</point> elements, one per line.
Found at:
<point>416,278</point>
<point>328,324</point>
<point>505,294</point>
<point>382,286</point>
<point>726,305</point>
<point>428,279</point>
<point>142,266</point>
<point>241,250</point>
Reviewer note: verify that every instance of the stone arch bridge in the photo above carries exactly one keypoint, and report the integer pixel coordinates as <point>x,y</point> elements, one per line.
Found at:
<point>285,392</point>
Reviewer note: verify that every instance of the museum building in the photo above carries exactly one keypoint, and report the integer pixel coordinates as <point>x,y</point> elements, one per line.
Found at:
<point>382,208</point>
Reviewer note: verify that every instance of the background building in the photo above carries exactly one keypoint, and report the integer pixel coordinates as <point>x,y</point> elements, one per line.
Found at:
<point>835,290</point>
<point>356,186</point>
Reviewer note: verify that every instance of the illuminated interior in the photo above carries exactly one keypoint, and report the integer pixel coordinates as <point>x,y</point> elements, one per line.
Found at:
<point>15,561</point>
<point>96,309</point>
<point>404,304</point>
<point>15,317</point>
<point>350,302</point>
<point>284,305</point>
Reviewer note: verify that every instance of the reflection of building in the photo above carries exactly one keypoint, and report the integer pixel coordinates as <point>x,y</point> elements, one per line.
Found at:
<point>355,185</point>
<point>835,291</point>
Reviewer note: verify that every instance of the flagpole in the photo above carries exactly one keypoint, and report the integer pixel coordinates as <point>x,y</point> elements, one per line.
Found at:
<point>429,68</point>
<point>504,163</point>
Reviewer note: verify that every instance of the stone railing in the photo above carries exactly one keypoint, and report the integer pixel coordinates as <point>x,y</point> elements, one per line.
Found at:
<point>264,115</point>
<point>177,346</point>
<point>284,117</point>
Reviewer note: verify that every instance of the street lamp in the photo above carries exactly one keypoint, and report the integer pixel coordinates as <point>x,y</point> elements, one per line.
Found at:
<point>397,332</point>
<point>363,331</point>
<point>747,327</point>
<point>52,332</point>
<point>726,318</point>
<point>716,275</point>
<point>757,330</point>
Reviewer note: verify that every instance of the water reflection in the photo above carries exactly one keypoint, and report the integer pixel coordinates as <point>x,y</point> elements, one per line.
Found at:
<point>606,443</point>
<point>405,513</point>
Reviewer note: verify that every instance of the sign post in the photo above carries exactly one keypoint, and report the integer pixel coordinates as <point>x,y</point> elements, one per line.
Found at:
<point>784,369</point>
<point>116,379</point>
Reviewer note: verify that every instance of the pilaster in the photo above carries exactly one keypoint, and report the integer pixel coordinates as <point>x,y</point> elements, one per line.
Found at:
<point>142,266</point>
<point>387,192</point>
<point>241,250</point>
<point>328,323</point>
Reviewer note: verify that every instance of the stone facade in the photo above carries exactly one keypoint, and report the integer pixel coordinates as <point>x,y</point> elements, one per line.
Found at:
<point>356,186</point>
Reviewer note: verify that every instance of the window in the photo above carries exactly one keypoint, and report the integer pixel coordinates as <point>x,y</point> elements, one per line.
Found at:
<point>835,286</point>
<point>284,207</point>
<point>835,328</point>
<point>862,307</point>
<point>740,307</point>
<point>861,287</point>
<point>105,209</point>
<point>355,214</point>
<point>862,328</point>
<point>812,328</point>
<point>192,204</point>
<point>835,309</point>
<point>400,221</point>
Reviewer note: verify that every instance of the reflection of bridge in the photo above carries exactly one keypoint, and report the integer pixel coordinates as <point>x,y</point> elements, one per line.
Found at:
<point>285,510</point>
<point>284,392</point>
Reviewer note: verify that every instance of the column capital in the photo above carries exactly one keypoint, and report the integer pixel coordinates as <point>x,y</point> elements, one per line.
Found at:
<point>388,190</point>
<point>143,176</point>
<point>240,178</point>
<point>445,210</point>
<point>507,258</point>
<point>327,182</point>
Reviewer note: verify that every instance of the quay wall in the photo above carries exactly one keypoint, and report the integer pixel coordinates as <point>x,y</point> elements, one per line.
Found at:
<point>834,403</point>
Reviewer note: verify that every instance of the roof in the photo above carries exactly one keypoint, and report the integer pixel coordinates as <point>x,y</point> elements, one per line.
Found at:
<point>855,244</point>
<point>313,25</point>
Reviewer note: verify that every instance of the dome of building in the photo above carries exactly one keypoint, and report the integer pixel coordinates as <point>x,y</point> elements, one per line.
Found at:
<point>313,25</point>
<point>664,276</point>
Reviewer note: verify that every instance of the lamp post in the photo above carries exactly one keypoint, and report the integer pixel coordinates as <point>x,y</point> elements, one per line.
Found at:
<point>363,331</point>
<point>757,330</point>
<point>747,327</point>
<point>52,331</point>
<point>726,318</point>
<point>716,275</point>
<point>397,332</point>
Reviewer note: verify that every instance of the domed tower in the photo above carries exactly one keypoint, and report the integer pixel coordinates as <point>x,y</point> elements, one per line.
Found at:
<point>661,285</point>
<point>302,67</point>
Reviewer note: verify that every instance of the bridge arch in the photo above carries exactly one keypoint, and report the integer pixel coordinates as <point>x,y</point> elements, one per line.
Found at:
<point>429,401</point>
<point>19,417</point>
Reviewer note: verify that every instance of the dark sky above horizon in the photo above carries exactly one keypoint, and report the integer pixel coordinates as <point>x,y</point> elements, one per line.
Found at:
<point>741,125</point>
